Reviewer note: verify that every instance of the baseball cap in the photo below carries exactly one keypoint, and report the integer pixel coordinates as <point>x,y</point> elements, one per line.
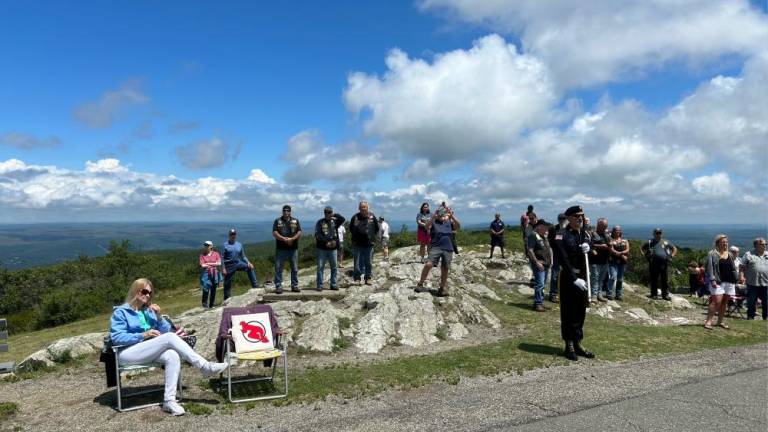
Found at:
<point>208,243</point>
<point>232,231</point>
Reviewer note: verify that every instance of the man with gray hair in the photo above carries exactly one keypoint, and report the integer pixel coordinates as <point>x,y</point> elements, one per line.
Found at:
<point>754,270</point>
<point>598,259</point>
<point>363,227</point>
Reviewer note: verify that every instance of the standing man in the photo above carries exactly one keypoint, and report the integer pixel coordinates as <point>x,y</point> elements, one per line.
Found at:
<point>658,252</point>
<point>570,247</point>
<point>286,230</point>
<point>561,223</point>
<point>441,226</point>
<point>497,234</point>
<point>327,243</point>
<point>540,256</point>
<point>598,259</point>
<point>384,237</point>
<point>234,259</point>
<point>754,269</point>
<point>364,227</point>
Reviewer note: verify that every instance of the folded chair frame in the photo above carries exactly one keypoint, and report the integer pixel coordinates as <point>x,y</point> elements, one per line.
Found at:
<point>283,355</point>
<point>137,367</point>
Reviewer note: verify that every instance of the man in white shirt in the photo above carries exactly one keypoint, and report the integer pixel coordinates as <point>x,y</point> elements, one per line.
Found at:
<point>384,237</point>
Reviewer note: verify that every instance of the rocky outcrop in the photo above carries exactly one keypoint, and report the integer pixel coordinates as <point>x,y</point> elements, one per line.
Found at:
<point>62,351</point>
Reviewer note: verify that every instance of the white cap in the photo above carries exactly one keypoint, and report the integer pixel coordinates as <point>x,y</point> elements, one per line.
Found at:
<point>208,243</point>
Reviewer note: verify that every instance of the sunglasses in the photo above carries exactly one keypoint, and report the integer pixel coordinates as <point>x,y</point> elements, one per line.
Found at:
<point>145,291</point>
<point>578,216</point>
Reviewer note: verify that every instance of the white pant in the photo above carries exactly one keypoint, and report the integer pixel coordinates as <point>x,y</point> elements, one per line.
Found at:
<point>167,349</point>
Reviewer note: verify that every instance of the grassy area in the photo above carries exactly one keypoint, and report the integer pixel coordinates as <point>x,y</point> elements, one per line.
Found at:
<point>7,410</point>
<point>173,302</point>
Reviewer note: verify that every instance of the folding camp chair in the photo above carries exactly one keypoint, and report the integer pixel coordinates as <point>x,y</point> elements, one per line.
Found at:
<point>736,303</point>
<point>225,351</point>
<point>114,376</point>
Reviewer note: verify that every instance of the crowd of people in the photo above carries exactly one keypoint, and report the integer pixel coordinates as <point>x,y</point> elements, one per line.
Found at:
<point>584,265</point>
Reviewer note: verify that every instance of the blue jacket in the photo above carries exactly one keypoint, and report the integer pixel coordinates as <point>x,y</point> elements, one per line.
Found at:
<point>125,325</point>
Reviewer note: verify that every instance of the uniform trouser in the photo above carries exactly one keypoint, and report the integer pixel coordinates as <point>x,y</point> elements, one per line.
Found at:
<point>753,293</point>
<point>363,256</point>
<point>231,269</point>
<point>573,309</point>
<point>167,349</point>
<point>553,279</point>
<point>658,271</point>
<point>281,256</point>
<point>326,256</point>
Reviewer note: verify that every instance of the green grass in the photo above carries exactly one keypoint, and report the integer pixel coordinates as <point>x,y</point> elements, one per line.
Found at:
<point>8,410</point>
<point>198,409</point>
<point>173,302</point>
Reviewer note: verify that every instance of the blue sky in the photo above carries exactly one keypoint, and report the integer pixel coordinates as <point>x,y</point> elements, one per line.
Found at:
<point>195,111</point>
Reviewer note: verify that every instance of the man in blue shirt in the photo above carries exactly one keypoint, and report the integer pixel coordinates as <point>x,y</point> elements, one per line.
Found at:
<point>441,225</point>
<point>233,259</point>
<point>497,235</point>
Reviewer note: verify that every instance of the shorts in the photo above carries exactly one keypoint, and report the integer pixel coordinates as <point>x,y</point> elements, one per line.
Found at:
<point>435,254</point>
<point>384,242</point>
<point>497,241</point>
<point>423,237</point>
<point>726,288</point>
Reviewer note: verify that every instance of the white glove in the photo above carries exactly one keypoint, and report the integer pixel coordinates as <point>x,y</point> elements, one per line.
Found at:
<point>580,284</point>
<point>585,247</point>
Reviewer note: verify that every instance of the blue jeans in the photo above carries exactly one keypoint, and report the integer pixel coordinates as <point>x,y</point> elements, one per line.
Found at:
<point>599,275</point>
<point>362,256</point>
<point>231,269</point>
<point>209,284</point>
<point>553,279</point>
<point>326,256</point>
<point>539,280</point>
<point>616,279</point>
<point>292,256</point>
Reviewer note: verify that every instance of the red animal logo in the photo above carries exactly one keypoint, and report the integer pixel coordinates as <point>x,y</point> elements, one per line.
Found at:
<point>253,331</point>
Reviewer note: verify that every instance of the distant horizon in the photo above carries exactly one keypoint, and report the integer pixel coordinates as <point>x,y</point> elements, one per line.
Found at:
<point>471,221</point>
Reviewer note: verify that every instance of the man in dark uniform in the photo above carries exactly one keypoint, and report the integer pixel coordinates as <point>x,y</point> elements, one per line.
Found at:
<point>570,246</point>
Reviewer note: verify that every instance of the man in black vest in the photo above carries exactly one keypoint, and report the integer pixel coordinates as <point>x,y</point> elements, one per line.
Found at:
<point>570,246</point>
<point>286,230</point>
<point>327,243</point>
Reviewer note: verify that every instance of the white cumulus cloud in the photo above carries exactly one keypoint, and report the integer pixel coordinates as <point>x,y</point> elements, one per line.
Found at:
<point>205,154</point>
<point>589,42</point>
<point>104,111</point>
<point>461,103</point>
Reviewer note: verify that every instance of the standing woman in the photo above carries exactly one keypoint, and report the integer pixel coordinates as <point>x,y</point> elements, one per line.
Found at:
<point>139,325</point>
<point>617,263</point>
<point>422,234</point>
<point>210,261</point>
<point>722,275</point>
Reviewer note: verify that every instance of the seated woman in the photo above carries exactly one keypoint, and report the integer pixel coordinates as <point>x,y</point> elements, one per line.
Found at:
<point>151,339</point>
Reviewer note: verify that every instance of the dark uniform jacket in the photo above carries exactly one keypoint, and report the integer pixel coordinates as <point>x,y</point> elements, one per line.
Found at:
<point>567,251</point>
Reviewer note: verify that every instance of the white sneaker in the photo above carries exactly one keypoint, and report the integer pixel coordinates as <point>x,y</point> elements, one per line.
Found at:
<point>173,408</point>
<point>210,369</point>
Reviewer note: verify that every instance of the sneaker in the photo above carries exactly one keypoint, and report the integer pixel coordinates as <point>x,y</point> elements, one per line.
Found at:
<point>601,298</point>
<point>554,299</point>
<point>539,308</point>
<point>173,408</point>
<point>295,289</point>
<point>368,282</point>
<point>667,298</point>
<point>279,290</point>
<point>211,369</point>
<point>320,288</point>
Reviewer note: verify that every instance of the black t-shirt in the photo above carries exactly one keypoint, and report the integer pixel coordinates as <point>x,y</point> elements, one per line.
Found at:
<point>599,256</point>
<point>287,228</point>
<point>726,270</point>
<point>497,226</point>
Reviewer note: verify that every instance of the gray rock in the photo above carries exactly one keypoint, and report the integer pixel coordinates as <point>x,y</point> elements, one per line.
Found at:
<point>526,290</point>
<point>641,314</point>
<point>457,331</point>
<point>75,346</point>
<point>482,291</point>
<point>680,302</point>
<point>319,331</point>
<point>35,361</point>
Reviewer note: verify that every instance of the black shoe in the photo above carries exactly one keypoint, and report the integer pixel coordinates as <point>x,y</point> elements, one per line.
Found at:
<point>334,288</point>
<point>570,352</point>
<point>667,298</point>
<point>582,352</point>
<point>279,290</point>
<point>295,289</point>
<point>653,297</point>
<point>319,289</point>
<point>442,293</point>
<point>420,288</point>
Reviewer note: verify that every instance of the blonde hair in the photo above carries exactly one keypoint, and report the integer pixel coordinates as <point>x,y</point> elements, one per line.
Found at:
<point>718,238</point>
<point>136,286</point>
